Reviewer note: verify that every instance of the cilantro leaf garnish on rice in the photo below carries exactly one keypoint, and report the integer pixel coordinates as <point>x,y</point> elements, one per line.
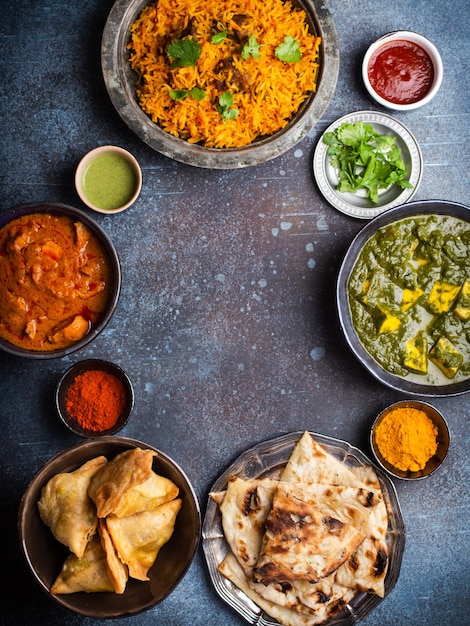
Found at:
<point>225,106</point>
<point>289,50</point>
<point>195,92</point>
<point>219,35</point>
<point>251,48</point>
<point>184,52</point>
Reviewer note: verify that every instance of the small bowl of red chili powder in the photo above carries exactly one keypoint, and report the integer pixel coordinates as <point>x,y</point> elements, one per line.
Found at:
<point>94,398</point>
<point>402,70</point>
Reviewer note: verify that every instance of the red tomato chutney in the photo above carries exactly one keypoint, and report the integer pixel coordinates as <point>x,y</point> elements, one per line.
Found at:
<point>401,72</point>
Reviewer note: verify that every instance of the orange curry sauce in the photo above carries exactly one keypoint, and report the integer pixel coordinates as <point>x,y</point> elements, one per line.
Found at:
<point>54,275</point>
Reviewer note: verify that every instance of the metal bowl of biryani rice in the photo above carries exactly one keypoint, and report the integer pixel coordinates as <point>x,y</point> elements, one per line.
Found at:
<point>210,87</point>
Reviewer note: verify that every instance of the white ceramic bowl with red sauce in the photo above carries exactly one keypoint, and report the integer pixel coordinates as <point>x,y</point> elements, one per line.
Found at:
<point>402,70</point>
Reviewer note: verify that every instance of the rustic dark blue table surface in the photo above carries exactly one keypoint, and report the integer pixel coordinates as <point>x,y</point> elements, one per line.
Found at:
<point>226,323</point>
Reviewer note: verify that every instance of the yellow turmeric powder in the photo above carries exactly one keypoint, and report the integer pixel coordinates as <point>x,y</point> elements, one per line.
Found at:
<point>407,438</point>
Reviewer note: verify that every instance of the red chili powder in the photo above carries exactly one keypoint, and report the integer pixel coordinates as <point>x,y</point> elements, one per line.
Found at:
<point>95,400</point>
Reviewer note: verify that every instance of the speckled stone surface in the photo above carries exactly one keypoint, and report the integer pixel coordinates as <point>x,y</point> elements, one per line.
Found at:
<point>226,323</point>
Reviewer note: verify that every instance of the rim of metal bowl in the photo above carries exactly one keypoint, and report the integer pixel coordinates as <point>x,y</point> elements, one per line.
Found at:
<point>442,207</point>
<point>68,211</point>
<point>109,605</point>
<point>65,382</point>
<point>443,439</point>
<point>120,83</point>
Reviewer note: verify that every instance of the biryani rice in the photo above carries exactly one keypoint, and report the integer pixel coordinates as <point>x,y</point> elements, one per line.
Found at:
<point>266,92</point>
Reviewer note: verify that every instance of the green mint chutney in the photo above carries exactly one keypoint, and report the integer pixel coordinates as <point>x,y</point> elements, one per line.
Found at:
<point>109,181</point>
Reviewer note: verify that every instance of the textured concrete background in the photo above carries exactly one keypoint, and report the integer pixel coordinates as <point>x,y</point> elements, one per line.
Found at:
<point>226,323</point>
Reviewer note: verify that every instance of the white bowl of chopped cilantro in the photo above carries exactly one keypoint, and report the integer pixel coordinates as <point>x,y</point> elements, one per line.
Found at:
<point>366,163</point>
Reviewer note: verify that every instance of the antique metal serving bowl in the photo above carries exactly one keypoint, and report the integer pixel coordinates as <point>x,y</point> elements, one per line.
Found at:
<point>45,555</point>
<point>413,383</point>
<point>121,80</point>
<point>114,287</point>
<point>442,439</point>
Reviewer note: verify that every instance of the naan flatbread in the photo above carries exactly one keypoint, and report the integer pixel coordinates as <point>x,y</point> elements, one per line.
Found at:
<point>310,463</point>
<point>302,542</point>
<point>246,504</point>
<point>285,607</point>
<point>66,508</point>
<point>245,508</point>
<point>355,498</point>
<point>87,573</point>
<point>285,616</point>
<point>122,474</point>
<point>366,568</point>
<point>379,513</point>
<point>349,504</point>
<point>139,537</point>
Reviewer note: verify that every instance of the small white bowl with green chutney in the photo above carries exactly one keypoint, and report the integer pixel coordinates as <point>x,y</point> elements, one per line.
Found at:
<point>108,179</point>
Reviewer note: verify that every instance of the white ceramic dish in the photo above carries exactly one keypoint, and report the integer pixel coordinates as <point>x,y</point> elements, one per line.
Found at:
<point>430,48</point>
<point>358,204</point>
<point>87,160</point>
<point>266,460</point>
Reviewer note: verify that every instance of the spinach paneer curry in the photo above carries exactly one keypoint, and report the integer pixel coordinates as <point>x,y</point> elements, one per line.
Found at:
<point>409,297</point>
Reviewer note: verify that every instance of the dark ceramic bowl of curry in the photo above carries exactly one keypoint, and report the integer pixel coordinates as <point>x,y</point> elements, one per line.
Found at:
<point>45,555</point>
<point>60,280</point>
<point>94,398</point>
<point>403,298</point>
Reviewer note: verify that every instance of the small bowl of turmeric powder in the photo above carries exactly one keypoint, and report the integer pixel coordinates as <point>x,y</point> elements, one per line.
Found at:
<point>410,439</point>
<point>94,398</point>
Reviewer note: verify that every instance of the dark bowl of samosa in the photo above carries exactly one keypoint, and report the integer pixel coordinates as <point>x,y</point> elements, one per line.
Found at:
<point>85,509</point>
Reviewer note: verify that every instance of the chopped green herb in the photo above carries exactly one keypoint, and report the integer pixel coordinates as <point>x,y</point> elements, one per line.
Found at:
<point>219,35</point>
<point>224,106</point>
<point>184,52</point>
<point>365,159</point>
<point>195,92</point>
<point>251,48</point>
<point>289,50</point>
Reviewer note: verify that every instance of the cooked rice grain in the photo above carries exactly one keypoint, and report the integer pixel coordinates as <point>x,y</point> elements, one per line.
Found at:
<point>266,91</point>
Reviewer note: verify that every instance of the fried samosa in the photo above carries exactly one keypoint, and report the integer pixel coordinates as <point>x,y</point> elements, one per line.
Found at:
<point>147,496</point>
<point>117,571</point>
<point>121,475</point>
<point>67,509</point>
<point>139,537</point>
<point>88,573</point>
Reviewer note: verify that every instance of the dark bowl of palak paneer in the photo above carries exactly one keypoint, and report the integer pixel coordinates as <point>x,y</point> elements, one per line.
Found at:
<point>403,298</point>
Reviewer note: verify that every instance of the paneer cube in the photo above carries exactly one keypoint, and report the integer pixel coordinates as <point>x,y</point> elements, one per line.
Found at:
<point>462,307</point>
<point>446,356</point>
<point>409,297</point>
<point>416,359</point>
<point>442,297</point>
